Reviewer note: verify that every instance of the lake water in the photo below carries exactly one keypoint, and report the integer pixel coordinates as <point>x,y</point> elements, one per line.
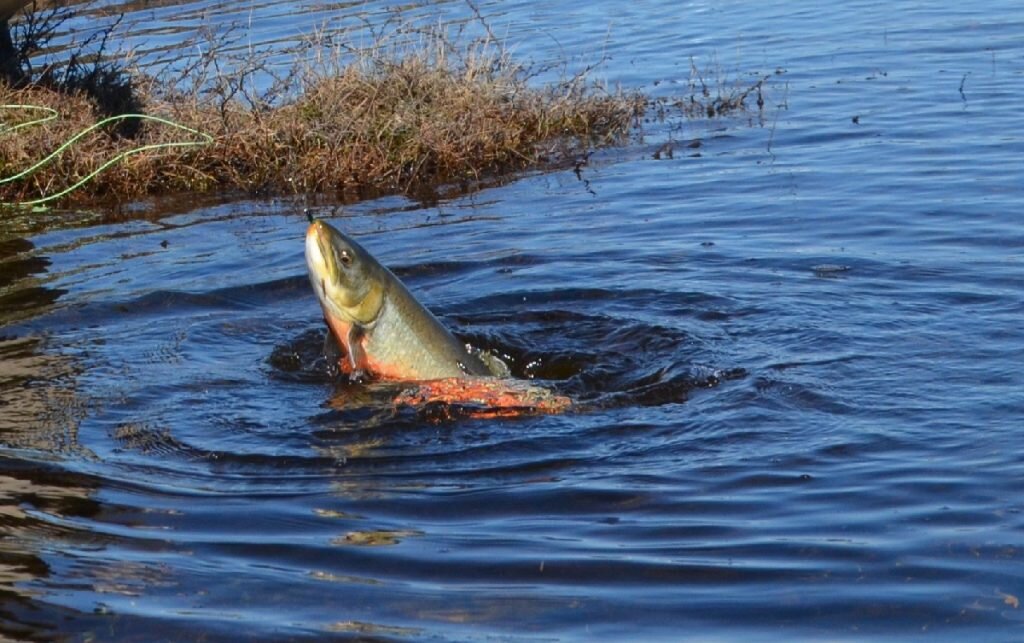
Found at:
<point>795,344</point>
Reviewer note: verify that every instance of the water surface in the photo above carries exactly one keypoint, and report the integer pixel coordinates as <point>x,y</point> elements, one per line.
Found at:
<point>795,344</point>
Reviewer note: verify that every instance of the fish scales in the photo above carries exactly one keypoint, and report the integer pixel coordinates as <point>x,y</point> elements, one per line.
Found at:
<point>382,328</point>
<point>405,333</point>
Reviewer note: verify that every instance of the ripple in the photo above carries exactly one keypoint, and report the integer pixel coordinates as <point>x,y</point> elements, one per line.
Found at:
<point>601,360</point>
<point>794,358</point>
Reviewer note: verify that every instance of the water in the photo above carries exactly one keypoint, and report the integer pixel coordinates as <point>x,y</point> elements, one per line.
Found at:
<point>796,350</point>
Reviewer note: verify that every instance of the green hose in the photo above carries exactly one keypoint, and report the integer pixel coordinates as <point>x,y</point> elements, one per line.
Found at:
<point>205,139</point>
<point>51,115</point>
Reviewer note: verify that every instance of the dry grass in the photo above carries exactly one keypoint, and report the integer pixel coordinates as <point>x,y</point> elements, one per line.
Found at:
<point>385,119</point>
<point>418,108</point>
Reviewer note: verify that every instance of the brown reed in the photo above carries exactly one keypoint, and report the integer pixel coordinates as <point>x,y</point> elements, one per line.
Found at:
<point>388,118</point>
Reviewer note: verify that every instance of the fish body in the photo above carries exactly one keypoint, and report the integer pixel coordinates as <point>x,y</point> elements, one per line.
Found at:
<point>382,329</point>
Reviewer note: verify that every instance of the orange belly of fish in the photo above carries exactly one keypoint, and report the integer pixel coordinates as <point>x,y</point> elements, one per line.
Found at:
<point>485,397</point>
<point>368,362</point>
<point>340,331</point>
<point>480,397</point>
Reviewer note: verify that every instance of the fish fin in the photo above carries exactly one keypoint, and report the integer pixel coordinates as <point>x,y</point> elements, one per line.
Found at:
<point>357,360</point>
<point>494,364</point>
<point>334,353</point>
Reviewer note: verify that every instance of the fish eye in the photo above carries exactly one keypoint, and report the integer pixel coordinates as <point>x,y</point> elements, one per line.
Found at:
<point>345,258</point>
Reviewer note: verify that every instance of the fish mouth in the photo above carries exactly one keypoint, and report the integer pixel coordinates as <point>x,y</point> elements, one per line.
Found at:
<point>318,261</point>
<point>359,302</point>
<point>321,273</point>
<point>321,268</point>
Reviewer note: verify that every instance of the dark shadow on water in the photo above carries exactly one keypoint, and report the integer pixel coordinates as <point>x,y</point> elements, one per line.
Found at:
<point>35,500</point>
<point>22,289</point>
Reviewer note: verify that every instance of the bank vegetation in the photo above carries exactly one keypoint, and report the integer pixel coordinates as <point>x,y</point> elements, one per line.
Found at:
<point>418,107</point>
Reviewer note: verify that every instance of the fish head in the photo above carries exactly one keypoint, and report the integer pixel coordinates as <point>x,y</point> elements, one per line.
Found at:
<point>346,278</point>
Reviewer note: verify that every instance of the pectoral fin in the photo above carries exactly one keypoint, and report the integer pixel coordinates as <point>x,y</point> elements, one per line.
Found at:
<point>332,351</point>
<point>359,367</point>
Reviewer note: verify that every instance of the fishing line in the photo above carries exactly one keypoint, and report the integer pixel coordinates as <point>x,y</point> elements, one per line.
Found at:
<point>205,139</point>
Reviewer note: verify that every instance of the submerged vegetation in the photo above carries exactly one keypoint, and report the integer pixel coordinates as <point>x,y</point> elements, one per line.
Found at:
<point>421,106</point>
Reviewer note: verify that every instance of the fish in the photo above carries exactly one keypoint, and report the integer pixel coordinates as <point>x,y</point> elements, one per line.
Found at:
<point>383,331</point>
<point>384,334</point>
